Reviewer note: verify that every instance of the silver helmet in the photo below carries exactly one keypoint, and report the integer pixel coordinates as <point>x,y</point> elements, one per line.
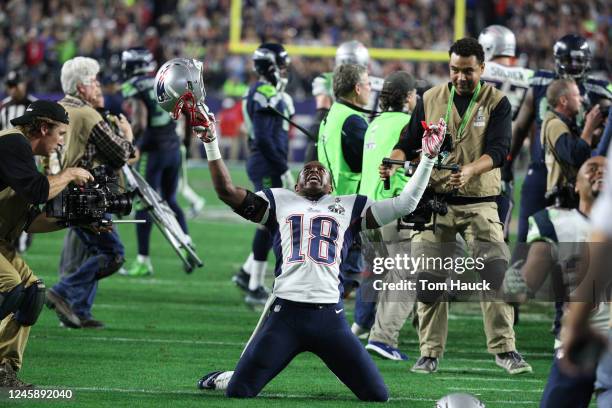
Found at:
<point>352,52</point>
<point>179,88</point>
<point>459,400</point>
<point>497,41</point>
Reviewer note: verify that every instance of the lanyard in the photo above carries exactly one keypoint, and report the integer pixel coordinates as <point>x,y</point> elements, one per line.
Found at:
<point>467,113</point>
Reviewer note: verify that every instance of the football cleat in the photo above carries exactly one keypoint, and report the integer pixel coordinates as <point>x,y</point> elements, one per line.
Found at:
<point>257,297</point>
<point>359,331</point>
<point>140,269</point>
<point>216,380</point>
<point>241,279</point>
<point>386,351</point>
<point>512,362</point>
<point>208,381</point>
<point>425,365</point>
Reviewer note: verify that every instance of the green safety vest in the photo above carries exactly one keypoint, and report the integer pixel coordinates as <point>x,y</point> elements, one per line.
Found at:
<point>380,139</point>
<point>329,149</point>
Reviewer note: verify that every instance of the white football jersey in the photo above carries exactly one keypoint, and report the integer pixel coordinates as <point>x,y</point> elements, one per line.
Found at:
<point>512,81</point>
<point>309,241</point>
<point>566,230</point>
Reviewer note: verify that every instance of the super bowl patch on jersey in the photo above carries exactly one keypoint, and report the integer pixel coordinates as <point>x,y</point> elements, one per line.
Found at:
<point>336,207</point>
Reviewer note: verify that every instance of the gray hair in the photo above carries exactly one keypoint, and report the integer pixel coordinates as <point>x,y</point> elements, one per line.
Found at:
<point>78,70</point>
<point>557,89</point>
<point>346,77</point>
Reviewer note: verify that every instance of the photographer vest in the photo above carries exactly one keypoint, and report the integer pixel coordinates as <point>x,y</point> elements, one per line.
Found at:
<point>83,118</point>
<point>14,210</point>
<point>469,146</point>
<point>559,173</point>
<point>382,135</point>
<point>329,149</point>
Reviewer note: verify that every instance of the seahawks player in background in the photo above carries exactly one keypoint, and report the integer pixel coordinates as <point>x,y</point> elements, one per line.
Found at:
<point>572,60</point>
<point>350,52</point>
<point>267,164</point>
<point>556,241</point>
<point>157,143</point>
<point>499,44</point>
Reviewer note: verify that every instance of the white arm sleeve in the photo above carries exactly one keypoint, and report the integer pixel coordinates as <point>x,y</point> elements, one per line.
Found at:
<point>391,209</point>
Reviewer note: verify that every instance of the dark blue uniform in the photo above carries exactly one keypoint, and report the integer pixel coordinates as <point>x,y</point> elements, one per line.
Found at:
<point>269,146</point>
<point>160,155</point>
<point>534,186</point>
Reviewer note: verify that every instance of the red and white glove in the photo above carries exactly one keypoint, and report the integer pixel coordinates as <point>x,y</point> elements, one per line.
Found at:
<point>433,137</point>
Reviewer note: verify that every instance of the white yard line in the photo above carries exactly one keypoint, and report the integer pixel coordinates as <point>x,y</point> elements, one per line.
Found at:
<point>263,395</point>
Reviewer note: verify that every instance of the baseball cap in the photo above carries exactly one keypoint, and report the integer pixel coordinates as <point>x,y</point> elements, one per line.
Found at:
<point>13,78</point>
<point>48,109</point>
<point>401,80</point>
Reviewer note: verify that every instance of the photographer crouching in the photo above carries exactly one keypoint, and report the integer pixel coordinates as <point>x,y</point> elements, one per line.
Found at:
<point>22,188</point>
<point>91,142</point>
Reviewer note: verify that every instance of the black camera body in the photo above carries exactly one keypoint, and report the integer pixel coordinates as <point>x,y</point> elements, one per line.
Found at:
<point>88,204</point>
<point>429,205</point>
<point>562,196</point>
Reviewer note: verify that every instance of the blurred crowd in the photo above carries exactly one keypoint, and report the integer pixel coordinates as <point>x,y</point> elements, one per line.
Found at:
<point>42,34</point>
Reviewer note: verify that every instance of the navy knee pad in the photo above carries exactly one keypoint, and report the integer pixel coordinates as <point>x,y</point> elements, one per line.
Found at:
<point>426,295</point>
<point>31,304</point>
<point>494,271</point>
<point>11,300</point>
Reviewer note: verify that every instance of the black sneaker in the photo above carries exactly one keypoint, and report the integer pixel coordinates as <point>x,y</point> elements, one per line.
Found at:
<point>241,279</point>
<point>425,365</point>
<point>92,324</point>
<point>257,297</point>
<point>63,310</point>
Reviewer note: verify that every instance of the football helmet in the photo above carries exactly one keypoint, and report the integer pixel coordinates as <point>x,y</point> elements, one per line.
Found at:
<point>459,400</point>
<point>179,88</point>
<point>572,57</point>
<point>137,61</point>
<point>352,52</point>
<point>497,41</point>
<point>271,60</point>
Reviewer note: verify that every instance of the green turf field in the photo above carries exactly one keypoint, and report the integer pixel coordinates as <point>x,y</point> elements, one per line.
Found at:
<point>165,331</point>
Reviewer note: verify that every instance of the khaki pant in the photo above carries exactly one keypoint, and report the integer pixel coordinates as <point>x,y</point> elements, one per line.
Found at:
<point>478,224</point>
<point>13,336</point>
<point>393,308</point>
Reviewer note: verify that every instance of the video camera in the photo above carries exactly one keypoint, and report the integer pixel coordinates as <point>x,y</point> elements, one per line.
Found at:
<point>89,204</point>
<point>431,204</point>
<point>562,196</point>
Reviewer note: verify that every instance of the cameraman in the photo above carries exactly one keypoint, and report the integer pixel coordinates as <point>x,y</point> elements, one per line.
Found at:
<point>564,149</point>
<point>90,142</point>
<point>479,121</point>
<point>22,188</point>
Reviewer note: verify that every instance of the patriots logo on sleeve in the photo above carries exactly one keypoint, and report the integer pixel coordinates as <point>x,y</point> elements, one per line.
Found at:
<point>336,207</point>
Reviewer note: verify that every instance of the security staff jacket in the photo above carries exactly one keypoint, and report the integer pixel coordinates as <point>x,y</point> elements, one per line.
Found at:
<point>380,138</point>
<point>340,146</point>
